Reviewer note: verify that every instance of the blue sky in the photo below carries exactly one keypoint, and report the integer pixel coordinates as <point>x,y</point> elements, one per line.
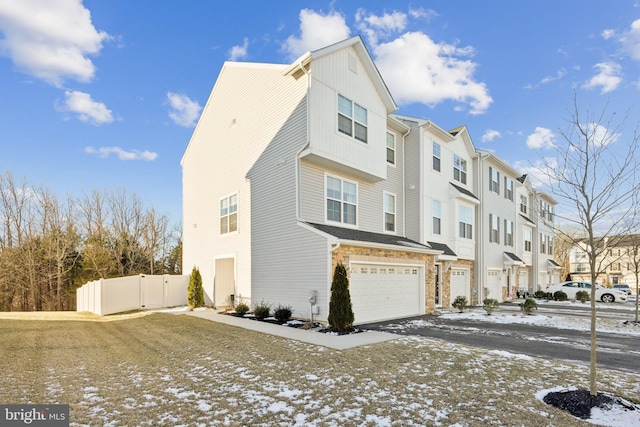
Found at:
<point>104,94</point>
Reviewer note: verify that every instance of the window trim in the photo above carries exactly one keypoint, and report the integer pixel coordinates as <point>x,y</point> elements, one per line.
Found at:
<point>228,214</point>
<point>434,157</point>
<point>434,217</point>
<point>386,194</point>
<point>527,243</point>
<point>353,120</point>
<point>393,150</point>
<point>342,201</point>
<point>462,170</point>
<point>494,233</point>
<point>508,188</point>
<point>494,184</point>
<point>468,227</point>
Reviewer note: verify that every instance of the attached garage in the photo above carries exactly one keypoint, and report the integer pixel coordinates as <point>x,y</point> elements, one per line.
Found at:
<point>386,291</point>
<point>460,283</point>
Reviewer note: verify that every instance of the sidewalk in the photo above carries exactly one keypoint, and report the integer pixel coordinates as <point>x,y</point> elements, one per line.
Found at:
<point>337,342</point>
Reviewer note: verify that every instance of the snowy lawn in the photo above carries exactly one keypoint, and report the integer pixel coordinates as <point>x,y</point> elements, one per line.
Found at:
<point>164,369</point>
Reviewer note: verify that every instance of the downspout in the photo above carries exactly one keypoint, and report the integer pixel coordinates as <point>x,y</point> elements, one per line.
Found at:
<point>480,278</point>
<point>404,189</point>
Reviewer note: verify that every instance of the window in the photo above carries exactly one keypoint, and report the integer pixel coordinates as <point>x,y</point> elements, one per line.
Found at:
<point>549,245</point>
<point>342,200</point>
<point>229,214</point>
<point>508,232</point>
<point>494,183</point>
<point>352,119</point>
<point>527,239</point>
<point>391,148</point>
<point>389,212</point>
<point>543,246</point>
<point>508,188</point>
<point>582,268</point>
<point>459,169</point>
<point>436,156</point>
<point>523,204</point>
<point>465,222</point>
<point>437,217</point>
<point>494,232</point>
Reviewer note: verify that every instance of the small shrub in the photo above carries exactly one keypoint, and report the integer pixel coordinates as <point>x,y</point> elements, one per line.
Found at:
<point>282,313</point>
<point>460,303</point>
<point>540,294</point>
<point>548,295</point>
<point>582,296</point>
<point>195,292</point>
<point>490,305</point>
<point>529,306</point>
<point>262,310</point>
<point>242,309</point>
<point>560,296</point>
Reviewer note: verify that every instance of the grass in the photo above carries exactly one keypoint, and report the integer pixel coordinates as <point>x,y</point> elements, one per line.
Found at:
<point>163,369</point>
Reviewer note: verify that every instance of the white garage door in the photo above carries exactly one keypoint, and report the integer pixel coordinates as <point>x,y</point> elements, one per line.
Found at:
<point>381,292</point>
<point>460,284</point>
<point>494,285</point>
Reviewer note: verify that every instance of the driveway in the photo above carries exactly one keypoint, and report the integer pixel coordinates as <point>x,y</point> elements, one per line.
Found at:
<point>615,351</point>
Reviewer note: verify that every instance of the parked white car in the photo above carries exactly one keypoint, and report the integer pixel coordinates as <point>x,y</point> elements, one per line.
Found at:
<point>602,294</point>
<point>622,288</point>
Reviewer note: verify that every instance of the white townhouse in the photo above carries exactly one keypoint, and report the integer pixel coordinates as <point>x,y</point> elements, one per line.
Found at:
<point>441,204</point>
<point>293,168</point>
<point>515,232</point>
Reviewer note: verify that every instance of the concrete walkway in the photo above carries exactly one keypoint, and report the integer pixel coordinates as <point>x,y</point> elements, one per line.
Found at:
<point>337,342</point>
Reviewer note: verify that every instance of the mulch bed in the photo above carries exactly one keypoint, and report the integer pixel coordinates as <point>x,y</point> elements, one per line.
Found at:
<point>580,402</point>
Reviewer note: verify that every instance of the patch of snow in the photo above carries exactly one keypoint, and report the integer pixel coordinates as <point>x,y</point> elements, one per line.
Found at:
<point>510,355</point>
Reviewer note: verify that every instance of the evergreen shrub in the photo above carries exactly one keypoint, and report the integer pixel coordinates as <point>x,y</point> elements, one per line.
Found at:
<point>529,306</point>
<point>583,296</point>
<point>340,309</point>
<point>282,313</point>
<point>242,309</point>
<point>460,303</point>
<point>490,305</point>
<point>195,292</point>
<point>262,310</point>
<point>560,296</point>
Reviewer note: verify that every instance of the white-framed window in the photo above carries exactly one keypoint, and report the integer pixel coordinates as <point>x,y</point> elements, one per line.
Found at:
<point>494,180</point>
<point>494,231</point>
<point>436,156</point>
<point>342,200</point>
<point>527,239</point>
<point>523,204</point>
<point>543,244</point>
<point>389,212</point>
<point>508,188</point>
<point>352,119</point>
<point>437,217</point>
<point>508,232</point>
<point>459,169</point>
<point>549,245</point>
<point>391,148</point>
<point>465,222</point>
<point>229,214</point>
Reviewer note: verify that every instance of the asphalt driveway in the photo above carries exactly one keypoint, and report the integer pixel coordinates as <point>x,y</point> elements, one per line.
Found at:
<point>615,351</point>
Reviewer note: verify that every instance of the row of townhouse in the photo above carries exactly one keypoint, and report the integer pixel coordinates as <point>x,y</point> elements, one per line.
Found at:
<point>295,168</point>
<point>618,260</point>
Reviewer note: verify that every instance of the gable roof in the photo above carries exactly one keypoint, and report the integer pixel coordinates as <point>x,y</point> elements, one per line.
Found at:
<point>368,238</point>
<point>306,60</point>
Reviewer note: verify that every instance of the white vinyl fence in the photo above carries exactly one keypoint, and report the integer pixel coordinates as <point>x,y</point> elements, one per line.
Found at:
<point>108,296</point>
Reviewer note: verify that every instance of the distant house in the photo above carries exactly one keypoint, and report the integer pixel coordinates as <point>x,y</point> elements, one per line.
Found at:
<point>294,168</point>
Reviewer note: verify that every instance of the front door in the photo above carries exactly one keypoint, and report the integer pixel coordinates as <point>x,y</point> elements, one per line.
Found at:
<point>224,282</point>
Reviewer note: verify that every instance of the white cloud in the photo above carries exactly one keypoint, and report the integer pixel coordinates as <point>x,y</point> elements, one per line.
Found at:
<point>418,70</point>
<point>600,135</point>
<point>373,27</point>
<point>422,13</point>
<point>607,34</point>
<point>490,135</point>
<point>50,39</point>
<point>85,108</point>
<point>105,152</point>
<point>239,52</point>
<point>184,111</point>
<point>608,77</point>
<point>316,31</point>
<point>541,138</point>
<point>631,40</point>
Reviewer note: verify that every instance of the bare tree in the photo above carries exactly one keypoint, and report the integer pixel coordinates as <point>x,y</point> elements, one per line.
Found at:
<point>595,174</point>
